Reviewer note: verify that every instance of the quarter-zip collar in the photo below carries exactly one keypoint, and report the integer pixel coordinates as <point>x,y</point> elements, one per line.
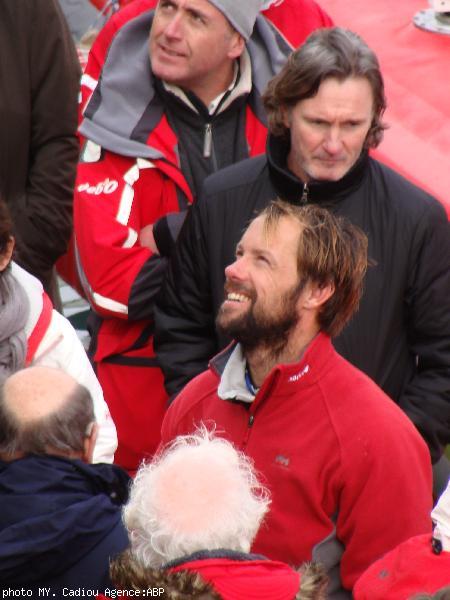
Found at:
<point>232,382</point>
<point>240,87</point>
<point>292,189</point>
<point>283,379</point>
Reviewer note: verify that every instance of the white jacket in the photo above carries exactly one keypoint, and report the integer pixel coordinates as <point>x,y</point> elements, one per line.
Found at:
<point>53,342</point>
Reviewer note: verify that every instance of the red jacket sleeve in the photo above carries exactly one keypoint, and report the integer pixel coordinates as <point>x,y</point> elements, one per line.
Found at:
<point>115,197</point>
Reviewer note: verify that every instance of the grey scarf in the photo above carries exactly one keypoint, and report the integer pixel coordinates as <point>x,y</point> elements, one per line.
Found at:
<point>14,310</point>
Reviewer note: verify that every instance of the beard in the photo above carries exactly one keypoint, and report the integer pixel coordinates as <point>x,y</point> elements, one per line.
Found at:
<point>261,327</point>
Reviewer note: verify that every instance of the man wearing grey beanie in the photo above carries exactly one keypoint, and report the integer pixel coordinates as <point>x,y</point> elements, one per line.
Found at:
<point>174,95</point>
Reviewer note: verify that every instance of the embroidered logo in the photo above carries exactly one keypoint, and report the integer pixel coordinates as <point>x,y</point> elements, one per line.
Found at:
<point>298,376</point>
<point>104,187</point>
<point>282,460</point>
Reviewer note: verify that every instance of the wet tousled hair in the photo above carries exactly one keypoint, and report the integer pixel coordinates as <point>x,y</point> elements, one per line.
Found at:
<point>330,251</point>
<point>328,53</point>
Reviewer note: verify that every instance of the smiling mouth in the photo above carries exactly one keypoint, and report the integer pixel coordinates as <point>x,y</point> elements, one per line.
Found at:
<point>234,297</point>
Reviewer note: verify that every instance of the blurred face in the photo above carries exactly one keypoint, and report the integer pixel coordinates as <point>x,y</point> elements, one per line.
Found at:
<point>328,131</point>
<point>193,45</point>
<point>262,287</point>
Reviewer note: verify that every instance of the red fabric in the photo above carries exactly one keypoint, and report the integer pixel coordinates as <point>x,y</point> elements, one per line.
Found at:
<point>137,402</point>
<point>246,580</point>
<point>313,432</point>
<point>297,18</point>
<point>409,569</point>
<point>39,329</point>
<point>415,65</point>
<point>67,268</point>
<point>109,264</point>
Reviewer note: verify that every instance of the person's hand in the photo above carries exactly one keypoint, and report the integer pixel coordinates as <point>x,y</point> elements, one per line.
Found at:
<point>147,239</point>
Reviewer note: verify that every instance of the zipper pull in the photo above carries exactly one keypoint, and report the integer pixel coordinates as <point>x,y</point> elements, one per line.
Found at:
<point>207,141</point>
<point>304,198</point>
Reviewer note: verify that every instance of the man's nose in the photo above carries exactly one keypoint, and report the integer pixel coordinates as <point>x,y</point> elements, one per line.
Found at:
<point>236,271</point>
<point>174,28</point>
<point>333,141</point>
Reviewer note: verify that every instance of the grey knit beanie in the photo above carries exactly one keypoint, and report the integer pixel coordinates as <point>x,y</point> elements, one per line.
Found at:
<point>241,13</point>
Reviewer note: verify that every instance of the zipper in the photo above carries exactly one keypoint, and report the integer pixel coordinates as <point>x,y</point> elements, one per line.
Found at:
<point>304,198</point>
<point>207,141</point>
<point>253,408</point>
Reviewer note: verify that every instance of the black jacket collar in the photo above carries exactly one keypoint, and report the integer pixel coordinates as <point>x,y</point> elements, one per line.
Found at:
<point>290,188</point>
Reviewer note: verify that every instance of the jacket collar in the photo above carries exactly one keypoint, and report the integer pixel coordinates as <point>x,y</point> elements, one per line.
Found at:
<point>283,379</point>
<point>232,384</point>
<point>236,576</point>
<point>232,555</point>
<point>290,188</point>
<point>240,87</point>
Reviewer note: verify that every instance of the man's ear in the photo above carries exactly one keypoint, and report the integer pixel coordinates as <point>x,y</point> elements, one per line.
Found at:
<point>5,257</point>
<point>237,45</point>
<point>89,443</point>
<point>315,296</point>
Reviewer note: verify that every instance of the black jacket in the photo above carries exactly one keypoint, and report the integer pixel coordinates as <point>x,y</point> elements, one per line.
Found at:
<point>400,336</point>
<point>60,523</point>
<point>39,82</point>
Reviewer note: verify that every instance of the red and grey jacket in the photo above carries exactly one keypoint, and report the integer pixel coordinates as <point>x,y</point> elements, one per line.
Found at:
<point>130,175</point>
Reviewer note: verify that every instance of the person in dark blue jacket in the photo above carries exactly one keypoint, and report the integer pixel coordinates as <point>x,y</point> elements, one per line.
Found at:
<point>60,518</point>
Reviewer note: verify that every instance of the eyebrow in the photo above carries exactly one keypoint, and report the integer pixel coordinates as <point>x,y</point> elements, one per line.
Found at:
<point>257,251</point>
<point>324,119</point>
<point>195,12</point>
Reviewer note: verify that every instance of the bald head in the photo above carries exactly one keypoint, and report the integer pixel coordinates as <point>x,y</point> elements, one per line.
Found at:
<point>37,392</point>
<point>44,411</point>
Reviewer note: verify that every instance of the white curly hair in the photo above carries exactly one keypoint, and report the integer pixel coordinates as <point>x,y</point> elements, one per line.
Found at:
<point>199,494</point>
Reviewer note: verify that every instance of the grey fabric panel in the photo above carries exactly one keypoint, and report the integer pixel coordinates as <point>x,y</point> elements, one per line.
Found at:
<point>124,90</point>
<point>268,52</point>
<point>114,142</point>
<point>329,552</point>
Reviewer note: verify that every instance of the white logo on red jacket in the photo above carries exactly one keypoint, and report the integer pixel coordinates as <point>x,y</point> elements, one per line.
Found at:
<point>108,186</point>
<point>298,376</point>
